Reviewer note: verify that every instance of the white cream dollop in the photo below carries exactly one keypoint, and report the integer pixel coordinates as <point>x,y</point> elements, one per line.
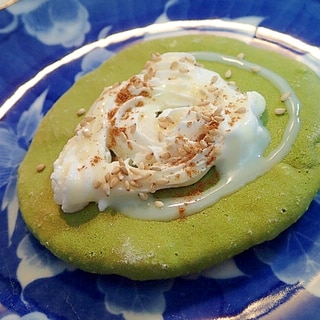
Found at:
<point>162,128</point>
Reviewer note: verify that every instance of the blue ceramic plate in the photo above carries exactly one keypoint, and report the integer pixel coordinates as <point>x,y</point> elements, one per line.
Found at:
<point>45,46</point>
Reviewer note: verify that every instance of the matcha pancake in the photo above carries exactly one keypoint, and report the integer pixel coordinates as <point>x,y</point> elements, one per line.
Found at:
<point>110,242</point>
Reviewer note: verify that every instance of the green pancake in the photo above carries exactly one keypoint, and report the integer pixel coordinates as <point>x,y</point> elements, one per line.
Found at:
<point>111,243</point>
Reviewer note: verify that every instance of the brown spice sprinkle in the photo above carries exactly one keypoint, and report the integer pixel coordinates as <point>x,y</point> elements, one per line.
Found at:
<point>96,159</point>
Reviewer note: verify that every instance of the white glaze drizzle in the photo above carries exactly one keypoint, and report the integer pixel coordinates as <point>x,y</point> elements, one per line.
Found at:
<point>229,182</point>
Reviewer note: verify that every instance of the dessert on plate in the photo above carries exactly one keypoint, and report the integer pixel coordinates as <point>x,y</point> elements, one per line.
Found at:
<point>174,155</point>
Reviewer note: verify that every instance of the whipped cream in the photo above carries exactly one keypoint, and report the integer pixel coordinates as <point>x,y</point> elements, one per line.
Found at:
<point>162,128</point>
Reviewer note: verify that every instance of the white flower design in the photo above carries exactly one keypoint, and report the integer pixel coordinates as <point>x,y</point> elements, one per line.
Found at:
<point>29,316</point>
<point>63,22</point>
<point>13,146</point>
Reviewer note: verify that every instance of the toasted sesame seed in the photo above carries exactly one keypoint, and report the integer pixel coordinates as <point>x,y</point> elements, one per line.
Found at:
<point>133,128</point>
<point>40,167</point>
<point>203,143</point>
<point>162,125</point>
<point>106,189</point>
<point>135,170</point>
<point>86,132</point>
<point>121,162</point>
<point>89,118</point>
<point>165,155</point>
<point>217,111</point>
<point>156,57</point>
<point>184,70</point>
<point>129,144</point>
<point>186,148</point>
<point>155,168</point>
<point>81,112</point>
<point>174,65</point>
<point>206,117</point>
<point>115,170</point>
<point>285,96</point>
<point>161,136</point>
<point>214,79</point>
<point>97,184</point>
<point>114,181</point>
<point>149,156</point>
<point>153,187</point>
<point>135,183</point>
<point>158,204</point>
<point>255,68</point>
<point>218,117</point>
<point>123,137</point>
<point>107,177</point>
<point>240,56</point>
<point>143,196</point>
<point>280,111</point>
<point>228,74</point>
<point>124,170</point>
<point>203,103</point>
<point>127,185</point>
<point>161,181</point>
<point>241,110</point>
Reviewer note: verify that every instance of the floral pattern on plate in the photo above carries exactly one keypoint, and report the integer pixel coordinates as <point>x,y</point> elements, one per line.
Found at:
<point>279,278</point>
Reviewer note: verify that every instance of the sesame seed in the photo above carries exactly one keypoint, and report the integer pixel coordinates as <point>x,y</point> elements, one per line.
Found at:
<point>127,185</point>
<point>174,65</point>
<point>206,117</point>
<point>129,144</point>
<point>158,204</point>
<point>285,96</point>
<point>81,112</point>
<point>124,170</point>
<point>162,119</point>
<point>228,74</point>
<point>161,136</point>
<point>156,57</point>
<point>214,79</point>
<point>114,181</point>
<point>203,103</point>
<point>184,70</point>
<point>161,181</point>
<point>203,143</point>
<point>280,111</point>
<point>97,184</point>
<point>149,156</point>
<point>240,56</point>
<point>135,183</point>
<point>86,132</point>
<point>165,155</point>
<point>143,196</point>
<point>155,168</point>
<point>107,177</point>
<point>40,167</point>
<point>241,110</point>
<point>153,187</point>
<point>255,68</point>
<point>106,189</point>
<point>162,125</point>
<point>115,170</point>
<point>133,128</point>
<point>123,137</point>
<point>89,118</point>
<point>121,162</point>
